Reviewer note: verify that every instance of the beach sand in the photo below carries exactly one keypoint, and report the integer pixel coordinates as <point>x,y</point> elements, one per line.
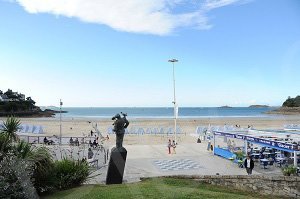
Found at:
<point>83,126</point>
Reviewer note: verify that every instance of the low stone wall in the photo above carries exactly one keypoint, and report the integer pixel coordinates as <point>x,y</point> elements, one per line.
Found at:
<point>287,186</point>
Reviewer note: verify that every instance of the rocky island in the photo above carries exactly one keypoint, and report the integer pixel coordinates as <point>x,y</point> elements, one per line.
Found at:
<point>225,106</point>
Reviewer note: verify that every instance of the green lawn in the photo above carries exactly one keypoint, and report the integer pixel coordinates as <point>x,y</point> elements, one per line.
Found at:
<point>155,188</point>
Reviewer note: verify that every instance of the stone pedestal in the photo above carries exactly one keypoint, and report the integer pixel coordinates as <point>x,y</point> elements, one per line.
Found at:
<point>116,166</point>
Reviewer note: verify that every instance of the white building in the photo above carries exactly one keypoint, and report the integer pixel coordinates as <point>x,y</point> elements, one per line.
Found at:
<point>4,98</point>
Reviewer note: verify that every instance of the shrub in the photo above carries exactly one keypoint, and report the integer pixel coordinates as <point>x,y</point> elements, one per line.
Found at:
<point>15,179</point>
<point>239,155</point>
<point>70,173</point>
<point>287,171</point>
<point>43,175</point>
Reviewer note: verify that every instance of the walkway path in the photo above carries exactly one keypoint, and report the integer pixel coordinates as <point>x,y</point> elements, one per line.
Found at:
<point>154,160</point>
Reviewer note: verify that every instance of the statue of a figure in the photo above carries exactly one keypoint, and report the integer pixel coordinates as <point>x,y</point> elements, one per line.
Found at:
<point>120,124</point>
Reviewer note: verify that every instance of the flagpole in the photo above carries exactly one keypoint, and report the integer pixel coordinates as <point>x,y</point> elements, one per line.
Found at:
<point>174,102</point>
<point>60,131</point>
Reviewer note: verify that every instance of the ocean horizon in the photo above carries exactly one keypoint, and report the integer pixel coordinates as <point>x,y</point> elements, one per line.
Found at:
<point>164,112</point>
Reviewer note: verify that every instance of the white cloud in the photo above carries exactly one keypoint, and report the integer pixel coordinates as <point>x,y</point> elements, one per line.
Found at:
<point>139,16</point>
<point>213,4</point>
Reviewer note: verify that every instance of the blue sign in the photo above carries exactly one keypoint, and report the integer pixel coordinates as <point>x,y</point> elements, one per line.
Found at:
<point>271,143</point>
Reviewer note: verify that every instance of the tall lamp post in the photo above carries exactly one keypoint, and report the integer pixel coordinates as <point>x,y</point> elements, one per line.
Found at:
<point>60,132</point>
<point>174,102</point>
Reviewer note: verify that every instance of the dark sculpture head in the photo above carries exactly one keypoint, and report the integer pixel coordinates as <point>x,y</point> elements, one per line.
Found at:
<point>117,116</point>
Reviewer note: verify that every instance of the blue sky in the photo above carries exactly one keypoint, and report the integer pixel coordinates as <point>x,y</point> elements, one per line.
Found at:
<point>114,53</point>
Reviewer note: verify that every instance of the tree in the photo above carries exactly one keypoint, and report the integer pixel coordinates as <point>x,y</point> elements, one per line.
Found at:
<point>292,102</point>
<point>30,103</point>
<point>10,94</point>
<point>10,127</point>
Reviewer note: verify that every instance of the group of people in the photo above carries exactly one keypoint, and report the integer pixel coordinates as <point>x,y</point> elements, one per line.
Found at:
<point>172,144</point>
<point>90,156</point>
<point>74,142</point>
<point>94,144</point>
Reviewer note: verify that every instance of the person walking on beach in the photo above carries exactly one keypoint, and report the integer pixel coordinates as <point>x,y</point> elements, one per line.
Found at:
<point>169,146</point>
<point>174,146</point>
<point>208,145</point>
<point>249,165</point>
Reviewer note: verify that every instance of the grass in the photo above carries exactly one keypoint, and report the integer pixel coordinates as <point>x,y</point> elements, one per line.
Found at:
<point>156,188</point>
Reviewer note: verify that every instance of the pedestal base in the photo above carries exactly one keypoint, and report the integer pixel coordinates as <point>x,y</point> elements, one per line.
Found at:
<point>116,166</point>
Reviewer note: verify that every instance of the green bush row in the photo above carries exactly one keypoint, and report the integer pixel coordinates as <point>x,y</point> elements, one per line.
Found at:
<point>26,170</point>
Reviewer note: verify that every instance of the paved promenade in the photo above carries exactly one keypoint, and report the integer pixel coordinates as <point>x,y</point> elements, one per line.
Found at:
<point>154,160</point>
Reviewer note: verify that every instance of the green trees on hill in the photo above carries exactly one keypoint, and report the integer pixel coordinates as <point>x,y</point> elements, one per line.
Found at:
<point>292,102</point>
<point>15,102</point>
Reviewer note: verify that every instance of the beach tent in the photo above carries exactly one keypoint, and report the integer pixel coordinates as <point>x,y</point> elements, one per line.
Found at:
<point>141,131</point>
<point>132,130</point>
<point>24,128</point>
<point>178,130</point>
<point>126,131</point>
<point>30,129</point>
<point>109,130</point>
<point>292,127</point>
<point>170,131</point>
<point>38,130</point>
<point>148,131</point>
<point>198,130</point>
<point>162,130</point>
<point>155,131</point>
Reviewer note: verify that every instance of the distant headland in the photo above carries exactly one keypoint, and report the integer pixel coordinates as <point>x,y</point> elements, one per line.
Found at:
<point>14,103</point>
<point>291,106</point>
<point>258,106</point>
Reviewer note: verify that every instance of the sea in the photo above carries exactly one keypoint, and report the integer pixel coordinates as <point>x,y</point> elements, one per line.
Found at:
<point>165,112</point>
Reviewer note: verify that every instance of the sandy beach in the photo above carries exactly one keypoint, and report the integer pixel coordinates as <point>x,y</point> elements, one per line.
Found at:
<point>83,126</point>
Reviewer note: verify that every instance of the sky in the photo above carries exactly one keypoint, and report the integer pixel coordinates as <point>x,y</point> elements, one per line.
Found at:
<point>114,53</point>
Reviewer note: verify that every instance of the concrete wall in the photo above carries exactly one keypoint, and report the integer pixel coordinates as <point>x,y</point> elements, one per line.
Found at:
<point>288,186</point>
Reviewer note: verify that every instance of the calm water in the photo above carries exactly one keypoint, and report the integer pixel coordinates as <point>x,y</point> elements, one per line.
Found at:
<point>183,112</point>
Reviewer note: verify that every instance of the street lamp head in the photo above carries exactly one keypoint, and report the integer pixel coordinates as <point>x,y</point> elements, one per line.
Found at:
<point>173,60</point>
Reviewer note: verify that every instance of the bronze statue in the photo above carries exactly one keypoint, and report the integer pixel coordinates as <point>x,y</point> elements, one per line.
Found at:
<point>120,124</point>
